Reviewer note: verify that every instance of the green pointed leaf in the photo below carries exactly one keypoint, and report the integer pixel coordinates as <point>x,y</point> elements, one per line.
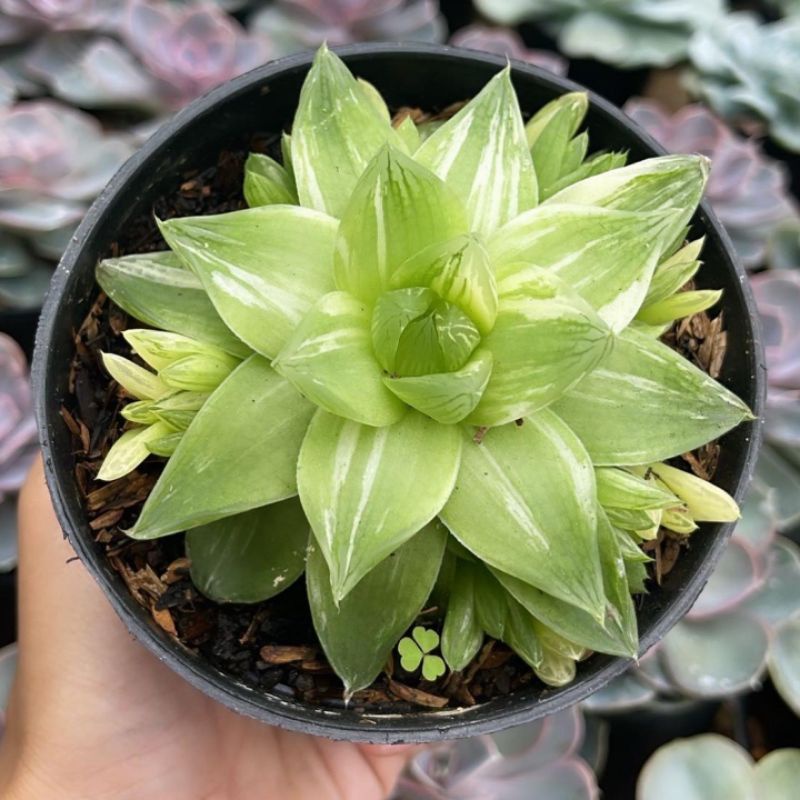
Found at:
<point>178,410</point>
<point>629,519</point>
<point>266,182</point>
<point>545,340</point>
<point>329,359</point>
<point>159,349</point>
<point>356,639</point>
<point>606,256</point>
<point>458,271</point>
<point>286,156</point>
<point>337,130</point>
<point>516,494</point>
<point>398,208</point>
<point>555,669</point>
<point>135,380</point>
<point>617,633</point>
<point>409,135</point>
<point>156,289</point>
<point>549,134</point>
<point>446,397</point>
<point>129,451</point>
<point>491,602</point>
<point>674,272</point>
<point>619,488</point>
<point>165,446</point>
<point>645,403</point>
<point>596,164</point>
<point>376,98</point>
<point>355,483</point>
<point>678,306</point>
<point>200,373</point>
<point>656,184</point>
<point>678,520</point>
<point>462,634</point>
<point>263,268</point>
<point>520,634</point>
<point>482,154</point>
<point>704,501</point>
<point>239,453</point>
<point>140,412</point>
<point>252,556</point>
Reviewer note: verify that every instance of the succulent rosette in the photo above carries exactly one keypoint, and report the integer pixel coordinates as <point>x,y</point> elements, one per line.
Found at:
<point>429,362</point>
<point>507,42</point>
<point>748,190</point>
<point>294,25</point>
<point>626,33</point>
<point>536,760</point>
<point>711,766</point>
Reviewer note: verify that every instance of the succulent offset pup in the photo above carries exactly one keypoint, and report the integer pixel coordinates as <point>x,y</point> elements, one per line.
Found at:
<point>424,367</point>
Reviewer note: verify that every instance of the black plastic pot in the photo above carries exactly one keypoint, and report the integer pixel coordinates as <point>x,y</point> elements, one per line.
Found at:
<point>430,77</point>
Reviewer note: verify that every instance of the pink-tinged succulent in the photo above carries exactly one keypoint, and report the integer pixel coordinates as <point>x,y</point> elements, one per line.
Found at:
<point>294,25</point>
<point>14,30</point>
<point>533,761</point>
<point>53,161</point>
<point>61,15</point>
<point>17,440</point>
<point>17,425</point>
<point>190,49</point>
<point>748,190</point>
<point>507,42</point>
<point>777,293</point>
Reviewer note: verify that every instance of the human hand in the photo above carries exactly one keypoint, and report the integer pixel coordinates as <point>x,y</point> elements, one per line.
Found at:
<point>94,716</point>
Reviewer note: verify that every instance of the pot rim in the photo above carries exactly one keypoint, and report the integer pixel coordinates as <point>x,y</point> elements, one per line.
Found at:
<point>419,726</point>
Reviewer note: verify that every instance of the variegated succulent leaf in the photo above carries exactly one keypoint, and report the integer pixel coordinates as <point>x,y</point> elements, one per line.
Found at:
<point>395,332</point>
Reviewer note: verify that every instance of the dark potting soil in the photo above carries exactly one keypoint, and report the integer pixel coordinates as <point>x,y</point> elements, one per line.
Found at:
<point>272,645</point>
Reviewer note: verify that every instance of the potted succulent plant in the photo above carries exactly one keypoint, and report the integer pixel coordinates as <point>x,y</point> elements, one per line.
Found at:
<point>423,369</point>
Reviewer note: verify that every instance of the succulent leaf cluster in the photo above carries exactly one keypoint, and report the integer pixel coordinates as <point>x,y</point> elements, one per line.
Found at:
<point>507,42</point>
<point>748,72</point>
<point>427,360</point>
<point>53,161</point>
<point>748,191</point>
<point>17,442</point>
<point>294,25</point>
<point>626,33</point>
<point>711,766</point>
<point>744,625</point>
<point>537,760</point>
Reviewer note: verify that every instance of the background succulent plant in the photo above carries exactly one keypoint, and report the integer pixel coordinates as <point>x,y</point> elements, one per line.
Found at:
<point>777,293</point>
<point>435,312</point>
<point>537,760</point>
<point>53,161</point>
<point>711,767</point>
<point>17,442</point>
<point>627,33</point>
<point>507,42</point>
<point>748,72</point>
<point>294,25</point>
<point>748,190</point>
